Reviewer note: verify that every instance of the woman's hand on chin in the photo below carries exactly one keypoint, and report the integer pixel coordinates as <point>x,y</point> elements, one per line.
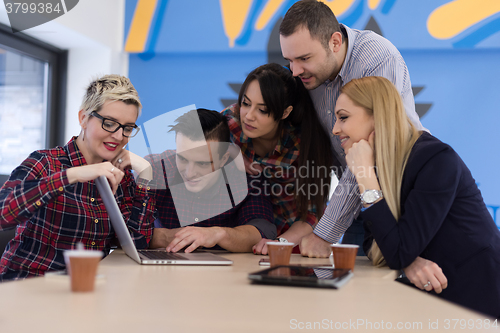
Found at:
<point>361,162</point>
<point>90,172</point>
<point>360,157</point>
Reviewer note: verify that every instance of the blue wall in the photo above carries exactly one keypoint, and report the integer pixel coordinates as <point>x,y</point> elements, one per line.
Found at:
<point>188,59</point>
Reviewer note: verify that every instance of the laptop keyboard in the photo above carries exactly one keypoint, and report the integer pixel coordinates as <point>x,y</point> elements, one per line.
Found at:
<point>162,255</point>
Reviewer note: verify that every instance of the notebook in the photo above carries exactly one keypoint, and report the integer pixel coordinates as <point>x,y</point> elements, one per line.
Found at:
<point>148,257</point>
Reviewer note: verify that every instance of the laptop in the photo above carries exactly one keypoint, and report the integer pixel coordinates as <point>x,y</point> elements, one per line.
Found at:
<point>149,257</point>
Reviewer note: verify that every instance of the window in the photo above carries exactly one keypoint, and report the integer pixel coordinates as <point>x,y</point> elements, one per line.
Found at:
<point>32,90</point>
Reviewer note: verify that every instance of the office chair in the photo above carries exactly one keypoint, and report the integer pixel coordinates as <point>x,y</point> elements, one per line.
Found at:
<point>5,237</point>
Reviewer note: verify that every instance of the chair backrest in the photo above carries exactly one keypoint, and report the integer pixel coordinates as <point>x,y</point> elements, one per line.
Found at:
<point>3,179</point>
<point>5,237</point>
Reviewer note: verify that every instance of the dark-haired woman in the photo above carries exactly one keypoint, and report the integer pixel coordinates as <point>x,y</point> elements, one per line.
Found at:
<point>276,127</point>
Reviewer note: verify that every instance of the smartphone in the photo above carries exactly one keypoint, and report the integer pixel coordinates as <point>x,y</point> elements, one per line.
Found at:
<point>264,262</point>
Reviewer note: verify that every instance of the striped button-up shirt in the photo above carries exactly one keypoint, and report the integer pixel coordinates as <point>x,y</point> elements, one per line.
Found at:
<point>368,54</point>
<point>51,215</point>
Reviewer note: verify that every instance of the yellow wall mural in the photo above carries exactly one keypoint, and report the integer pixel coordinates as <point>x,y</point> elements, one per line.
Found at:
<point>270,9</point>
<point>139,29</point>
<point>200,51</point>
<point>373,4</point>
<point>445,22</point>
<point>234,14</point>
<point>339,7</point>
<point>456,16</point>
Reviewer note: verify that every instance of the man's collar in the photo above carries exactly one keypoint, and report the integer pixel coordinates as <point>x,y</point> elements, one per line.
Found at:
<point>350,43</point>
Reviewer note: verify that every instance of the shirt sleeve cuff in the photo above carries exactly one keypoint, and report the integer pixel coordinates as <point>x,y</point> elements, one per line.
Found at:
<point>267,229</point>
<point>57,183</point>
<point>144,186</point>
<point>383,225</point>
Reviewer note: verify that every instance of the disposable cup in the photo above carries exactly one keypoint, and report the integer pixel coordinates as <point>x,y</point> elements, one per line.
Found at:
<point>279,253</point>
<point>82,267</point>
<point>344,255</point>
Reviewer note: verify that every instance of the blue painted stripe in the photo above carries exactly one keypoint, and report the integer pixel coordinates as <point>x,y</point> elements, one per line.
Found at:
<point>249,24</point>
<point>154,31</point>
<point>351,18</point>
<point>157,21</point>
<point>388,6</point>
<point>479,35</point>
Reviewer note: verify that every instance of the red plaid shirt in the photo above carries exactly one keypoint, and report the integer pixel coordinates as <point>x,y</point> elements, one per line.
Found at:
<point>279,170</point>
<point>52,215</point>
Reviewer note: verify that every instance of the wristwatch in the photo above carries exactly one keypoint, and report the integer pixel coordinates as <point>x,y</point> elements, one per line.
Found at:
<point>370,196</point>
<point>282,240</point>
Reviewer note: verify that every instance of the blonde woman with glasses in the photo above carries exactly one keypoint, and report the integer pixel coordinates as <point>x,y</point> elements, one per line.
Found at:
<point>52,200</point>
<point>420,201</point>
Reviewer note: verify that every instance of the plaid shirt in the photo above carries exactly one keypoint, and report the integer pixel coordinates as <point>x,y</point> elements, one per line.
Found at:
<point>208,208</point>
<point>279,170</point>
<point>52,215</point>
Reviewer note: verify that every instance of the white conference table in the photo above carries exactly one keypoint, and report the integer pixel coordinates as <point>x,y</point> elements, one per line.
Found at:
<point>135,298</point>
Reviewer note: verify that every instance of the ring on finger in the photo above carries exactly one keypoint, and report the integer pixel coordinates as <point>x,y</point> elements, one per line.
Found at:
<point>112,169</point>
<point>427,284</point>
<point>120,161</point>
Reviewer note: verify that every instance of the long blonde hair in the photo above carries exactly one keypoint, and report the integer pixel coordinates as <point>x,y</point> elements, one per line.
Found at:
<point>395,136</point>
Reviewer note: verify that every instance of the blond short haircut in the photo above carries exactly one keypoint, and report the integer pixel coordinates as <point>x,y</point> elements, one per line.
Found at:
<point>395,136</point>
<point>109,88</point>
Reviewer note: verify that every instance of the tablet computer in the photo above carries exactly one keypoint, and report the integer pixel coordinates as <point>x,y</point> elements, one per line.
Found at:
<point>305,276</point>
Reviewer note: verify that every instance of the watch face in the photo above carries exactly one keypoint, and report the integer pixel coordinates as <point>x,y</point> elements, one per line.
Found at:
<point>370,196</point>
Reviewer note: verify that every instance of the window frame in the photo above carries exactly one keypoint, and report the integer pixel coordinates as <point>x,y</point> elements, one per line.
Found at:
<point>57,60</point>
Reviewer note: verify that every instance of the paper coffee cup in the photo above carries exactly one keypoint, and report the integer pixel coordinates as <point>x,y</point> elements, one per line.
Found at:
<point>82,267</point>
<point>344,256</point>
<point>279,253</point>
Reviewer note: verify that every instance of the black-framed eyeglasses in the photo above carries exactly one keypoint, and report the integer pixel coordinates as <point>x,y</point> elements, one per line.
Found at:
<point>111,126</point>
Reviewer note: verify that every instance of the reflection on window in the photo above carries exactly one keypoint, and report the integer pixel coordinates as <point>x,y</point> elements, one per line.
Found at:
<point>23,107</point>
